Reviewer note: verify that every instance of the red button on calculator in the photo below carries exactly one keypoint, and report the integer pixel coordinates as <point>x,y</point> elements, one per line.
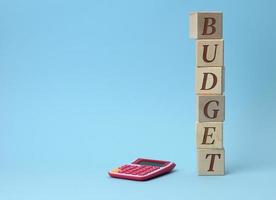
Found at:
<point>142,169</point>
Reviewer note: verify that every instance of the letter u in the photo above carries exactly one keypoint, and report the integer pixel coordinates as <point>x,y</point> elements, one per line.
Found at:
<point>205,52</point>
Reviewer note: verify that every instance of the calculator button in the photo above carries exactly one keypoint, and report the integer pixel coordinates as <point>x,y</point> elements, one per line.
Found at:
<point>116,170</point>
<point>126,170</point>
<point>144,173</point>
<point>123,167</point>
<point>129,170</point>
<point>140,170</point>
<point>156,168</point>
<point>132,170</point>
<point>144,170</point>
<point>136,171</point>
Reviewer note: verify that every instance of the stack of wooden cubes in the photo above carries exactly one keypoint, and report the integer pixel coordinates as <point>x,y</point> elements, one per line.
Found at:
<point>206,28</point>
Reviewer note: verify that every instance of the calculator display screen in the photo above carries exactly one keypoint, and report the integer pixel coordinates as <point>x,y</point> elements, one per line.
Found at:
<point>157,164</point>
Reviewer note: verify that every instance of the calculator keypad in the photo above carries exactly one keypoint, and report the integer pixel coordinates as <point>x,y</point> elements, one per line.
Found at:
<point>139,170</point>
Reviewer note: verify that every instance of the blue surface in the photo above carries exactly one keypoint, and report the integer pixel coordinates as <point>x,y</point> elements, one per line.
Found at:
<point>88,85</point>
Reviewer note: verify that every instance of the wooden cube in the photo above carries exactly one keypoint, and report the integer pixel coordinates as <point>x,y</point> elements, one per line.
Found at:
<point>206,25</point>
<point>209,53</point>
<point>210,162</point>
<point>209,135</point>
<point>209,80</point>
<point>210,108</point>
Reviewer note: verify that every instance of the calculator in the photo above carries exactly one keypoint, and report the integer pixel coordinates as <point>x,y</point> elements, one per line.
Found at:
<point>142,169</point>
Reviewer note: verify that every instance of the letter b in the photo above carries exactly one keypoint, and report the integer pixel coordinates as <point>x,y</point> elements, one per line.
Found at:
<point>209,27</point>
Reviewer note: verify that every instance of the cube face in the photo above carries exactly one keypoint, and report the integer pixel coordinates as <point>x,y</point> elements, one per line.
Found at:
<point>210,162</point>
<point>210,108</point>
<point>209,80</point>
<point>206,25</point>
<point>210,53</point>
<point>209,135</point>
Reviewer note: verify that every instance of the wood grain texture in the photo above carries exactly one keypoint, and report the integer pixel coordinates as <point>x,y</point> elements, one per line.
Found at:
<point>206,25</point>
<point>210,53</point>
<point>209,135</point>
<point>210,108</point>
<point>209,80</point>
<point>210,162</point>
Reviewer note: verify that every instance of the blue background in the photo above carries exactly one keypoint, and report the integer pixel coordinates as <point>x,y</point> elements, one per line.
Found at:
<point>89,85</point>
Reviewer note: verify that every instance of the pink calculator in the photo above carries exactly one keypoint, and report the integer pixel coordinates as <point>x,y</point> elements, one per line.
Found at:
<point>142,169</point>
